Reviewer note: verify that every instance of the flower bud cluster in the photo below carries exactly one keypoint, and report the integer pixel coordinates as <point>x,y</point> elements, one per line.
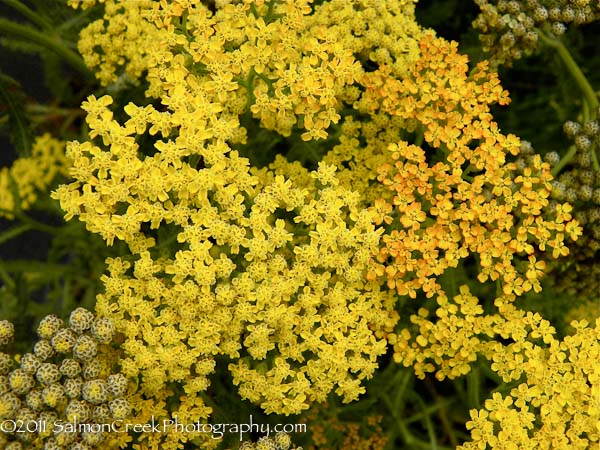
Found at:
<point>280,441</point>
<point>579,184</point>
<point>66,380</point>
<point>509,29</point>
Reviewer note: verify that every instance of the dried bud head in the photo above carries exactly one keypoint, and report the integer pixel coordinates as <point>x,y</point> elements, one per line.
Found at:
<point>513,8</point>
<point>73,387</point>
<point>117,384</point>
<point>43,349</point>
<point>555,13</point>
<point>70,368</point>
<point>103,330</point>
<point>85,348</point>
<point>95,391</point>
<point>571,129</point>
<point>568,14</point>
<point>585,193</point>
<point>30,363</point>
<point>119,408</point>
<point>582,142</point>
<point>63,341</point>
<point>587,177</point>
<point>6,363</point>
<point>80,320</point>
<point>552,158</point>
<point>540,14</point>
<point>558,190</point>
<point>9,405</point>
<point>35,400</point>
<point>558,28</point>
<point>92,369</point>
<point>47,374</point>
<point>507,40</point>
<point>7,331</point>
<point>584,159</point>
<point>591,129</point>
<point>49,326</point>
<point>78,411</point>
<point>20,381</point>
<point>53,394</point>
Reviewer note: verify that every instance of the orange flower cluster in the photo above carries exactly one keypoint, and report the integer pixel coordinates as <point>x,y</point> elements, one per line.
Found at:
<point>458,196</point>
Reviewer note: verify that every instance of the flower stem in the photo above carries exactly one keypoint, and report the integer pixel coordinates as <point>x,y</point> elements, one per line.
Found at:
<point>575,72</point>
<point>29,14</point>
<point>32,35</point>
<point>564,161</point>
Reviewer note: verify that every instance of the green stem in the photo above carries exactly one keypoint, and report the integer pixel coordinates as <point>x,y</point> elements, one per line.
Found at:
<point>564,161</point>
<point>29,13</point>
<point>8,281</point>
<point>428,423</point>
<point>574,70</point>
<point>474,388</point>
<point>32,223</point>
<point>14,232</point>
<point>595,162</point>
<point>441,405</point>
<point>184,25</point>
<point>419,136</point>
<point>45,109</point>
<point>28,33</point>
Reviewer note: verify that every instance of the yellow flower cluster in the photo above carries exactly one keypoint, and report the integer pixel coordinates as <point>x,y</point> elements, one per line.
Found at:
<point>286,67</point>
<point>273,270</point>
<point>269,269</point>
<point>460,197</point>
<point>21,183</point>
<point>557,406</point>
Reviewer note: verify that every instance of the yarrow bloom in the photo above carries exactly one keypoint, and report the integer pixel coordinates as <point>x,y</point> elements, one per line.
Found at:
<point>292,276</point>
<point>22,183</point>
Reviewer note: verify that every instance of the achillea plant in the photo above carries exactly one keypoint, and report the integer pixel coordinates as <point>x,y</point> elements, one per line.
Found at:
<point>268,271</point>
<point>288,281</point>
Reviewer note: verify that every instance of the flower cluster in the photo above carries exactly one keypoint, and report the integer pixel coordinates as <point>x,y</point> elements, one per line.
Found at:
<point>511,29</point>
<point>286,279</point>
<point>461,197</point>
<point>556,405</point>
<point>267,270</point>
<point>245,57</point>
<point>68,379</point>
<point>21,184</point>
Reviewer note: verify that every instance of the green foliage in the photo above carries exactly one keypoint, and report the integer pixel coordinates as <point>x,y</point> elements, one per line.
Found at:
<point>408,413</point>
<point>12,107</point>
